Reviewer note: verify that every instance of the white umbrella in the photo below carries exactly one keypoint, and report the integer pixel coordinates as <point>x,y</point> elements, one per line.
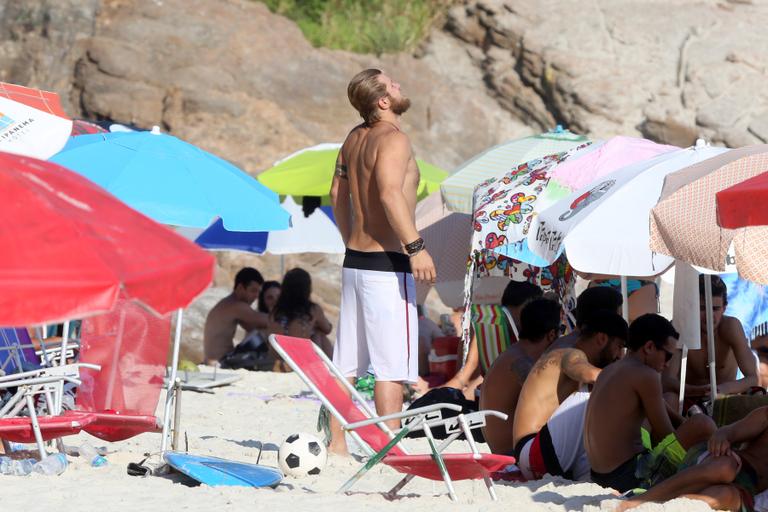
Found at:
<point>604,227</point>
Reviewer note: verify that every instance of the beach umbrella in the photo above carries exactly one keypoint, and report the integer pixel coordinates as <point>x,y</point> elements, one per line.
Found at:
<point>447,236</point>
<point>70,248</point>
<point>83,127</point>
<point>458,188</point>
<point>684,225</point>
<point>684,222</point>
<point>506,207</point>
<point>174,182</point>
<point>314,233</point>
<point>32,122</point>
<point>744,204</point>
<point>309,172</point>
<point>603,226</point>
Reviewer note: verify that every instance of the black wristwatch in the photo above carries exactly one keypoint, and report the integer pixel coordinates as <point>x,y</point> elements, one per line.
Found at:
<point>415,246</point>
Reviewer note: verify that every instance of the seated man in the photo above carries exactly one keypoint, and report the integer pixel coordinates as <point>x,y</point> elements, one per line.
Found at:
<point>554,377</point>
<point>587,303</point>
<point>732,353</point>
<point>233,310</point>
<point>540,323</point>
<point>726,473</point>
<point>516,295</point>
<point>626,394</point>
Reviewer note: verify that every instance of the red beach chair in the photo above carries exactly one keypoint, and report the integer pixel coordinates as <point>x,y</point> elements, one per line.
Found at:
<point>383,445</point>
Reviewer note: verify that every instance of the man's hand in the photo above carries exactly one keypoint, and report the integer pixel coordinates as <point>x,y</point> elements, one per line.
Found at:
<point>423,267</point>
<point>719,443</point>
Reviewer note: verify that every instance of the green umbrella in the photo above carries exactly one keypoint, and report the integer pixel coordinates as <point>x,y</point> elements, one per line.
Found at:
<point>309,173</point>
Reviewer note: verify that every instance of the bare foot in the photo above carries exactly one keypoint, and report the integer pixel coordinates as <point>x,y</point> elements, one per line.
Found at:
<point>338,447</point>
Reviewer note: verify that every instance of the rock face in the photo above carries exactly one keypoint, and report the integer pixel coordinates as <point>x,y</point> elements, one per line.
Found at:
<point>235,79</point>
<point>671,71</point>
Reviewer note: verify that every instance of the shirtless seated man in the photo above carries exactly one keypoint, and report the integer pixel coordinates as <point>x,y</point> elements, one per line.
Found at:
<point>539,326</point>
<point>732,352</point>
<point>726,473</point>
<point>554,377</point>
<point>233,310</point>
<point>626,394</point>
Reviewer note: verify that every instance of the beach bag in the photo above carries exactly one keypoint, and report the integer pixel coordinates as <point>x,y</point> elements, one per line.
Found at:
<point>732,408</point>
<point>443,396</point>
<point>247,355</point>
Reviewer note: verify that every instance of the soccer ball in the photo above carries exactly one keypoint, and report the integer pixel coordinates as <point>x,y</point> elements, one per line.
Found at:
<point>301,455</point>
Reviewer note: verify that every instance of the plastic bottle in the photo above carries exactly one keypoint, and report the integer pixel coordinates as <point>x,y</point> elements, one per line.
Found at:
<point>54,464</point>
<point>92,456</point>
<point>21,467</point>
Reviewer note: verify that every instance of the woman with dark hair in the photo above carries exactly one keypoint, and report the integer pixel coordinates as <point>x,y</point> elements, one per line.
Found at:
<point>296,315</point>
<point>270,291</point>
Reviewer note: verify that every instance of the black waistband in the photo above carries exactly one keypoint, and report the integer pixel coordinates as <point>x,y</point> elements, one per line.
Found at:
<point>383,261</point>
<point>521,443</point>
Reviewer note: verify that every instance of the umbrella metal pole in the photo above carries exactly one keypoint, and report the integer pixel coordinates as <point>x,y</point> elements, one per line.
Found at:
<point>64,341</point>
<point>683,371</point>
<point>624,298</point>
<point>710,337</point>
<point>170,389</point>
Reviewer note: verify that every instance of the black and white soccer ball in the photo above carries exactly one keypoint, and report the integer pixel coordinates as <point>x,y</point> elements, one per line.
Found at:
<point>301,455</point>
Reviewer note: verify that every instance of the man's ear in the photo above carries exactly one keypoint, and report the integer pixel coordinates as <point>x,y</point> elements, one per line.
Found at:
<point>649,345</point>
<point>384,102</point>
<point>602,339</point>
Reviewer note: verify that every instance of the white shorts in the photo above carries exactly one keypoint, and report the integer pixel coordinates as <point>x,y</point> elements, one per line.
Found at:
<point>378,325</point>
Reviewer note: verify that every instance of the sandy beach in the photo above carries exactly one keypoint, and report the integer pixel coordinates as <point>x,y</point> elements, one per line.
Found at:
<point>262,409</point>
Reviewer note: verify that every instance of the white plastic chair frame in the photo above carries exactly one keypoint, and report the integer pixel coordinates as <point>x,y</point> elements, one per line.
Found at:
<point>48,382</point>
<point>422,418</point>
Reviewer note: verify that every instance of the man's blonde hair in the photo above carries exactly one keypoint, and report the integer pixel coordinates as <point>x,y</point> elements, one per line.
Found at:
<point>364,92</point>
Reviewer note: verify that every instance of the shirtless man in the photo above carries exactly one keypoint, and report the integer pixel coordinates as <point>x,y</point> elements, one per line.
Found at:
<point>626,394</point>
<point>233,310</point>
<point>539,326</point>
<point>374,201</point>
<point>724,477</point>
<point>732,352</point>
<point>554,377</point>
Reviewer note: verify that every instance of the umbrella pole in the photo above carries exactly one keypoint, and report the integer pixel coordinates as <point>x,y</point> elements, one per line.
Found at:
<point>64,341</point>
<point>710,337</point>
<point>170,388</point>
<point>683,371</point>
<point>624,299</point>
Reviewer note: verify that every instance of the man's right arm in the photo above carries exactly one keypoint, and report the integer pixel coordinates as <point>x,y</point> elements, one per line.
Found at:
<point>250,319</point>
<point>746,429</point>
<point>576,366</point>
<point>650,391</point>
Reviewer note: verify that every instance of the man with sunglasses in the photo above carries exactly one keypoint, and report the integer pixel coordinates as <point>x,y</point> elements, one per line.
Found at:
<point>625,395</point>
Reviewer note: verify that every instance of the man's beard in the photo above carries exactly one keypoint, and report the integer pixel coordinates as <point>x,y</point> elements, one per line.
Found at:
<point>605,358</point>
<point>400,105</point>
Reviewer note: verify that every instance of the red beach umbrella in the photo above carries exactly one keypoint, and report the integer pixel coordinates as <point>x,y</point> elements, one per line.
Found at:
<point>744,204</point>
<point>69,248</point>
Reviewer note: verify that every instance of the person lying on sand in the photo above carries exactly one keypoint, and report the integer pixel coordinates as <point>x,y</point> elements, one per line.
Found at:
<point>726,473</point>
<point>539,326</point>
<point>626,394</point>
<point>732,353</point>
<point>554,377</point>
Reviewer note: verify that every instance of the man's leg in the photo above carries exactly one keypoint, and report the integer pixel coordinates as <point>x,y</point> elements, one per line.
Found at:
<point>694,430</point>
<point>338,444</point>
<point>719,497</point>
<point>388,397</point>
<point>711,472</point>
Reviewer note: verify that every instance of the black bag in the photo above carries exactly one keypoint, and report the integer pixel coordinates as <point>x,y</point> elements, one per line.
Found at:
<point>245,355</point>
<point>446,396</point>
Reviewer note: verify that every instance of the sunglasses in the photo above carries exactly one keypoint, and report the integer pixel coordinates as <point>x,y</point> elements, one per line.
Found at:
<point>667,354</point>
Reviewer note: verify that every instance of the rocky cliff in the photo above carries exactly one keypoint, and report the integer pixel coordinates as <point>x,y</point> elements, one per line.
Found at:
<point>235,79</point>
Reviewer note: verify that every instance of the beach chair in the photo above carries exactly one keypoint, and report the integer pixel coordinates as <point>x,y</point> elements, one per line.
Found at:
<point>130,344</point>
<point>495,331</point>
<point>378,441</point>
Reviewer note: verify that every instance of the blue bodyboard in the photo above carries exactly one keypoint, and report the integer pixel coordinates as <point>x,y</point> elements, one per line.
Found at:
<point>214,471</point>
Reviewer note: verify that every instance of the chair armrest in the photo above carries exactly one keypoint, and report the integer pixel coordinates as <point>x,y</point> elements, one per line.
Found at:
<point>400,415</point>
<point>474,420</point>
